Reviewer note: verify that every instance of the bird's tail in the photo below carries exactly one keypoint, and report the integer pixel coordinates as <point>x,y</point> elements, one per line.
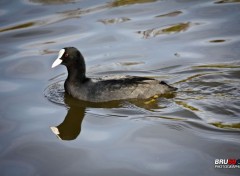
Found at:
<point>171,88</point>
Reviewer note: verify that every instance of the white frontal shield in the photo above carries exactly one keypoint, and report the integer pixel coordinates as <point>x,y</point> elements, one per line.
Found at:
<point>58,61</point>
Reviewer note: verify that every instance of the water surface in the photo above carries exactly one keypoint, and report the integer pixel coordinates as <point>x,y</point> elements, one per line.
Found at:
<point>193,45</point>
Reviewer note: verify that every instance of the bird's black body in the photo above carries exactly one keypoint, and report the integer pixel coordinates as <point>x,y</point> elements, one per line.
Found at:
<point>106,88</point>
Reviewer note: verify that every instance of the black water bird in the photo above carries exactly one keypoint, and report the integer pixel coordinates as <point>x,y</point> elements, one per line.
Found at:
<point>107,88</point>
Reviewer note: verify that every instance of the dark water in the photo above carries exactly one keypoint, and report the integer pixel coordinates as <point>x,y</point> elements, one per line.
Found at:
<point>193,44</point>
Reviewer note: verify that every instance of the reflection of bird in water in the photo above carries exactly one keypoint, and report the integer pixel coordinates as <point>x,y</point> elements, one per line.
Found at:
<point>107,88</point>
<point>70,128</point>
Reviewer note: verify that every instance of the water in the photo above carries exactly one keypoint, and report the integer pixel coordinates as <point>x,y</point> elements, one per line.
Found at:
<point>194,45</point>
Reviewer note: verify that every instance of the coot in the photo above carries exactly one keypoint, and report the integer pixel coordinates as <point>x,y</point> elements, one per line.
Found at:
<point>106,88</point>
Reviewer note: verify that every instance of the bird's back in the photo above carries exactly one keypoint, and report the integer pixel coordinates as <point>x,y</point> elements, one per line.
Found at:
<point>119,88</point>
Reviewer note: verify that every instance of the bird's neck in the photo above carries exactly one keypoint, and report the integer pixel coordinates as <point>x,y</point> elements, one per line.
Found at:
<point>76,74</point>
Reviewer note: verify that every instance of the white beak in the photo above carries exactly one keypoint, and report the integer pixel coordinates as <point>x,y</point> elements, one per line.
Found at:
<point>58,61</point>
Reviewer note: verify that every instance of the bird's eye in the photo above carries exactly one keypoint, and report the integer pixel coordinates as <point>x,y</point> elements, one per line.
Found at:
<point>66,55</point>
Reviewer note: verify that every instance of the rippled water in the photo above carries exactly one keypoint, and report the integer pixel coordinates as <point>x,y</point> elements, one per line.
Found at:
<point>193,45</point>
